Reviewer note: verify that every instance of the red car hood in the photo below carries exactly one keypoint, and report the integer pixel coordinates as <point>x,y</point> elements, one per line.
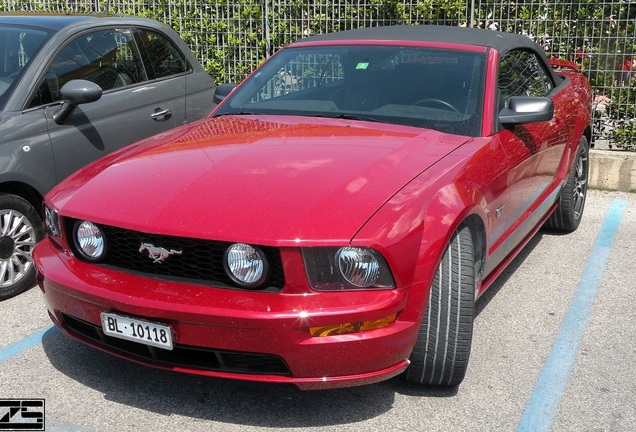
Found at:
<point>267,180</point>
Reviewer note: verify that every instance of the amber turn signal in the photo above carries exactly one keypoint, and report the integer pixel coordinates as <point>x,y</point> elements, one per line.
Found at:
<point>353,327</point>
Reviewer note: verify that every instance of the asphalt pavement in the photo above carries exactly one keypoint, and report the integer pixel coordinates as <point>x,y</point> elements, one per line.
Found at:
<point>553,350</point>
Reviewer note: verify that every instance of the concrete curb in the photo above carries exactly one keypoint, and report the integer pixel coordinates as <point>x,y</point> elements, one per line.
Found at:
<point>612,170</point>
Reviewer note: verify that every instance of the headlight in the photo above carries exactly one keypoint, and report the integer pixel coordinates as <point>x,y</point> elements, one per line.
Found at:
<point>246,265</point>
<point>346,268</point>
<point>52,222</point>
<point>359,266</point>
<point>89,240</point>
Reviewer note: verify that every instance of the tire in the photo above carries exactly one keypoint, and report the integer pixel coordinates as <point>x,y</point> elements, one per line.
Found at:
<point>440,355</point>
<point>20,230</point>
<point>567,216</point>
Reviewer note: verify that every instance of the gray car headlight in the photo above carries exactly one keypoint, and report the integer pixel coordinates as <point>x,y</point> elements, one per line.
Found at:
<point>346,268</point>
<point>89,240</point>
<point>246,265</point>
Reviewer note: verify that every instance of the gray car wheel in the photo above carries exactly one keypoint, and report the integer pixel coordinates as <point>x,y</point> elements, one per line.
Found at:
<point>20,230</point>
<point>440,355</point>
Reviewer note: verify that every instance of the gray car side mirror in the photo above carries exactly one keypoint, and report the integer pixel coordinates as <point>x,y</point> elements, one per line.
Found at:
<point>74,93</point>
<point>222,91</point>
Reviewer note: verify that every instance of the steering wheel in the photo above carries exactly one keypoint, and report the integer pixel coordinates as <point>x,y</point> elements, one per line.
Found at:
<point>438,102</point>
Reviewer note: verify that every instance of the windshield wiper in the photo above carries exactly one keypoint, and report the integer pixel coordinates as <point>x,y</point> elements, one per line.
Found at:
<point>238,113</point>
<point>349,117</point>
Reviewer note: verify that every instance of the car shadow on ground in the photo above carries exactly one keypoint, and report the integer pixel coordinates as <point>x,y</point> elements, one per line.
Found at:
<point>514,265</point>
<point>227,401</point>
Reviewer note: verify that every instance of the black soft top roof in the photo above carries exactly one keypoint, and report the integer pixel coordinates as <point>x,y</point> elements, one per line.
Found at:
<point>500,41</point>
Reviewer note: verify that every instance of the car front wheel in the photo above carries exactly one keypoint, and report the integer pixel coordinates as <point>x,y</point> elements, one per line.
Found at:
<point>20,230</point>
<point>440,355</point>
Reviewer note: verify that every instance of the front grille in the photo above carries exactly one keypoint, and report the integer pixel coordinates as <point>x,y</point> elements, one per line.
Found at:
<point>200,261</point>
<point>181,355</point>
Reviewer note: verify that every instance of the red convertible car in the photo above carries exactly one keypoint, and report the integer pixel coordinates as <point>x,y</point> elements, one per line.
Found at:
<point>334,219</point>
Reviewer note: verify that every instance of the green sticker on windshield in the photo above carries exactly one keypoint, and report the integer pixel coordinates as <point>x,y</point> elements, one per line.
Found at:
<point>362,65</point>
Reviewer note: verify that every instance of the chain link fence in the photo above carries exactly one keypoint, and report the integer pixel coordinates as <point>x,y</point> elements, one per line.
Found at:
<point>230,38</point>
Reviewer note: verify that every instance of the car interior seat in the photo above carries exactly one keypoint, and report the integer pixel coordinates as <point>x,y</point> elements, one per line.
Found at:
<point>101,53</point>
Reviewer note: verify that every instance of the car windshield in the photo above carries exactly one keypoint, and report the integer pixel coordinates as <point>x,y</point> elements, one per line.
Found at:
<point>17,46</point>
<point>435,88</point>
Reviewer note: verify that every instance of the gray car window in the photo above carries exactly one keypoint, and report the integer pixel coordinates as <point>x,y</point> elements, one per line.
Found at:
<point>161,58</point>
<point>109,58</point>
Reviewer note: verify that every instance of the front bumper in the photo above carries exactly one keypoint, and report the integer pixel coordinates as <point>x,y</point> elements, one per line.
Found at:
<point>230,333</point>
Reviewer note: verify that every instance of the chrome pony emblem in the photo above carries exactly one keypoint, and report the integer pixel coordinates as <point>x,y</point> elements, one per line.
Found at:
<point>158,254</point>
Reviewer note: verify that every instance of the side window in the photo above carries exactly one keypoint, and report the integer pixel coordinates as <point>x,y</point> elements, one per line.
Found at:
<point>161,58</point>
<point>522,74</point>
<point>109,58</point>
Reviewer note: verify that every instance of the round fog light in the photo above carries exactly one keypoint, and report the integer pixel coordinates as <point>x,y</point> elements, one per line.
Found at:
<point>358,266</point>
<point>89,240</point>
<point>246,265</point>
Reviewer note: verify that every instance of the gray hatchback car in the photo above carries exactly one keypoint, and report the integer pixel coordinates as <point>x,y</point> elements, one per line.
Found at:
<point>73,89</point>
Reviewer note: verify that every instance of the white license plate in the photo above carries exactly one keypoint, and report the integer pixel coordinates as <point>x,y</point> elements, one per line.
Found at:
<point>136,330</point>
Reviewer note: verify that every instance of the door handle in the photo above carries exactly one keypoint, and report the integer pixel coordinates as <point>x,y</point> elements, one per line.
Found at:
<point>160,115</point>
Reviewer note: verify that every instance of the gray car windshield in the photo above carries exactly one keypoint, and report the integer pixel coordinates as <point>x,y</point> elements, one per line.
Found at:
<point>435,88</point>
<point>18,45</point>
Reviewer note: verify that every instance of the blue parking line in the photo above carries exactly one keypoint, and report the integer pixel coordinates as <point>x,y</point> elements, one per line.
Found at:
<point>546,397</point>
<point>23,345</point>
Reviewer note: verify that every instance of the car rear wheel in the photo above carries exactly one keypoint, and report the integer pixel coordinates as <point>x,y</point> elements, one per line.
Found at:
<point>440,355</point>
<point>20,230</point>
<point>567,215</point>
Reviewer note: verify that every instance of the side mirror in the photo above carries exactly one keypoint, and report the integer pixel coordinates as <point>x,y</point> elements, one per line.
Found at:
<point>525,109</point>
<point>74,93</point>
<point>222,91</point>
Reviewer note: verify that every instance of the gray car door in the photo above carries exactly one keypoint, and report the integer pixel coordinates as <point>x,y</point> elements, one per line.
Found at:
<point>134,104</point>
<point>188,87</point>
